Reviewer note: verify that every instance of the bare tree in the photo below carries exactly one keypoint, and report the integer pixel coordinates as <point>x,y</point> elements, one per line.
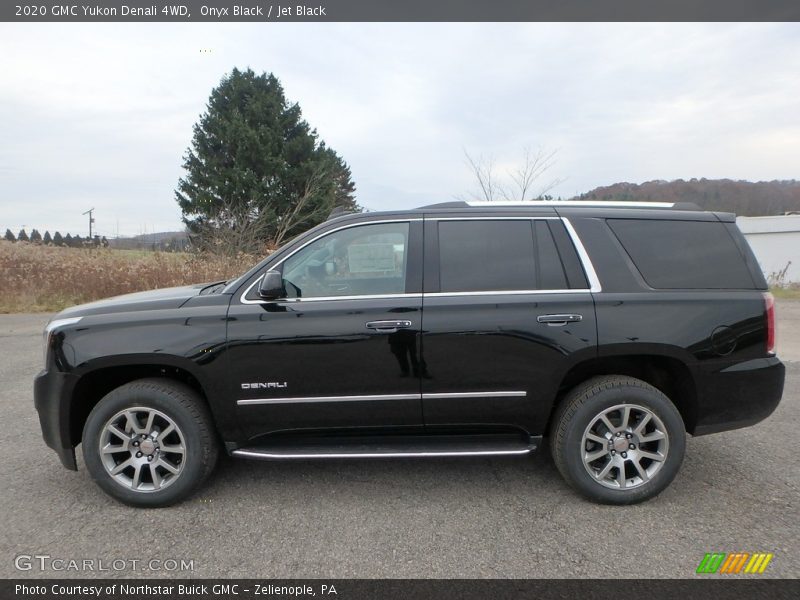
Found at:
<point>489,187</point>
<point>520,184</point>
<point>298,212</point>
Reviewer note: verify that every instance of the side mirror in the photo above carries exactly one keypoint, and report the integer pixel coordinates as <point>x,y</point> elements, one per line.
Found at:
<point>271,287</point>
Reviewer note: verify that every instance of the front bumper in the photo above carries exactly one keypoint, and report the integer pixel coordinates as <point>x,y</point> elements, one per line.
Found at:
<point>51,391</point>
<point>739,395</point>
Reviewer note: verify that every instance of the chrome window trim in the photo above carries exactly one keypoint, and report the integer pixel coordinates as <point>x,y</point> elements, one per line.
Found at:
<point>506,293</point>
<point>493,218</point>
<point>243,298</point>
<point>371,397</point>
<point>583,256</point>
<point>588,267</point>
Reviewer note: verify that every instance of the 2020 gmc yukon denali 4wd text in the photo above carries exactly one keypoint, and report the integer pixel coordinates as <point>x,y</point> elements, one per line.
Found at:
<point>612,329</point>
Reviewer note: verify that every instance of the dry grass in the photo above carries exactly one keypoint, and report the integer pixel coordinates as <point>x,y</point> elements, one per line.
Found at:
<point>786,292</point>
<point>37,278</point>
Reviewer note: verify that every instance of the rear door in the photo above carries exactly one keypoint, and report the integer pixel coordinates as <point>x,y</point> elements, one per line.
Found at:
<point>508,310</point>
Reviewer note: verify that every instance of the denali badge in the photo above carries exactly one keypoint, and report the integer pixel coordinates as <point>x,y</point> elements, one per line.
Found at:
<point>269,384</point>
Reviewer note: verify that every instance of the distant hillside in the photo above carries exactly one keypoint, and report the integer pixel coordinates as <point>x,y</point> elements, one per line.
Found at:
<point>161,240</point>
<point>744,198</point>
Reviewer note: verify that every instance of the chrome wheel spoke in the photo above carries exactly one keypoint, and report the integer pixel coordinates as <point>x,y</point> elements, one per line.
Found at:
<point>642,424</point>
<point>606,469</point>
<point>607,423</point>
<point>163,463</point>
<point>626,417</point>
<point>172,449</point>
<point>621,475</point>
<point>148,428</point>
<point>137,477</point>
<point>593,456</point>
<point>652,455</point>
<point>155,476</point>
<point>596,438</point>
<point>109,449</point>
<point>169,429</point>
<point>118,432</point>
<point>122,466</point>
<point>652,437</point>
<point>641,470</point>
<point>132,423</point>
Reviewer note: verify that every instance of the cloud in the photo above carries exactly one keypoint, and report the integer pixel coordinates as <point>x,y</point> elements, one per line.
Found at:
<point>100,115</point>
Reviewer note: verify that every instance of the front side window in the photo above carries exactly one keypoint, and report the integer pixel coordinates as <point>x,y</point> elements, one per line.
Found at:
<point>363,260</point>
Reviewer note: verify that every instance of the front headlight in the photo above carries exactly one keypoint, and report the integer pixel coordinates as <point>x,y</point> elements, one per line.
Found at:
<point>51,327</point>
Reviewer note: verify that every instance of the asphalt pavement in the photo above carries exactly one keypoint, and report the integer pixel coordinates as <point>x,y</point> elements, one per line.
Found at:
<point>476,517</point>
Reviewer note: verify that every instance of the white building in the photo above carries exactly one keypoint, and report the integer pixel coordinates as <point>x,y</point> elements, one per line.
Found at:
<point>776,244</point>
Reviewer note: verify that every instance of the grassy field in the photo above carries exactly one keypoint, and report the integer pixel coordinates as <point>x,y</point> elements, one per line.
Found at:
<point>35,278</point>
<point>791,292</point>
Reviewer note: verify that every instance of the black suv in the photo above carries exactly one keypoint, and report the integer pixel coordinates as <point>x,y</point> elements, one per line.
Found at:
<point>450,330</point>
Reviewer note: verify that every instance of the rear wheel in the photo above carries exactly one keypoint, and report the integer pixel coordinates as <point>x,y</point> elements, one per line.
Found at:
<point>618,440</point>
<point>149,442</point>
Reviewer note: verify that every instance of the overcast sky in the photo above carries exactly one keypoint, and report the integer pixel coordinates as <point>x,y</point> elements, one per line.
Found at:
<point>100,115</point>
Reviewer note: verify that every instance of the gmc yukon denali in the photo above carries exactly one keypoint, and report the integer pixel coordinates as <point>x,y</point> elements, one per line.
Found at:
<point>609,329</point>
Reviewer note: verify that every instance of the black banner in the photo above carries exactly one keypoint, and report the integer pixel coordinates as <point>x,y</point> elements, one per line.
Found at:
<point>716,587</point>
<point>282,11</point>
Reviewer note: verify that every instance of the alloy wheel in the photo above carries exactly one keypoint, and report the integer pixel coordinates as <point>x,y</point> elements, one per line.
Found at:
<point>624,446</point>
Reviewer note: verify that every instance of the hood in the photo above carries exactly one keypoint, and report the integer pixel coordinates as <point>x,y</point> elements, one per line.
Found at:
<point>153,300</point>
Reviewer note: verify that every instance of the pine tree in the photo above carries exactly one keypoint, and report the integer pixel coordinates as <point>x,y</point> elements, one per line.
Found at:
<point>22,236</point>
<point>47,239</point>
<point>77,242</point>
<point>255,164</point>
<point>68,241</point>
<point>57,239</point>
<point>36,237</point>
<point>10,236</point>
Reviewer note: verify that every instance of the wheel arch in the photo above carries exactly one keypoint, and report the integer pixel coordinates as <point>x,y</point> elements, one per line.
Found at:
<point>668,374</point>
<point>95,382</point>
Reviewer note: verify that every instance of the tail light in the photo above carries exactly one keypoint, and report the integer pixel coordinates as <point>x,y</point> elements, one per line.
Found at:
<point>769,304</point>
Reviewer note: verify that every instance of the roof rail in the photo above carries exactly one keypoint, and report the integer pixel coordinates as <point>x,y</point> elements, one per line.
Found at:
<point>569,203</point>
<point>453,204</point>
<point>338,212</point>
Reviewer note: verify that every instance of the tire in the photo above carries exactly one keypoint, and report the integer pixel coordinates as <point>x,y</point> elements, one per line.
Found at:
<point>633,460</point>
<point>150,461</point>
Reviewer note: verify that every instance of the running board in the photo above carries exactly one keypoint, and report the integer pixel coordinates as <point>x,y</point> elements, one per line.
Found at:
<point>416,448</point>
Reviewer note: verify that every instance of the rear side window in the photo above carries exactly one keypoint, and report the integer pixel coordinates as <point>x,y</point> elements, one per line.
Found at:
<point>550,271</point>
<point>683,254</point>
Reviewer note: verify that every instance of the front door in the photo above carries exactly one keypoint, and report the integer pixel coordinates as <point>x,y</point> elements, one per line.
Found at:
<point>342,349</point>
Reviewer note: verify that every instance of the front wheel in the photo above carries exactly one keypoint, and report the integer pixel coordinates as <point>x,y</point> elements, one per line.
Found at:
<point>618,440</point>
<point>149,442</point>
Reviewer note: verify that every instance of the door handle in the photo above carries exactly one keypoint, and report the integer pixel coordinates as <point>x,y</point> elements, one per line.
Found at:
<point>558,320</point>
<point>388,326</point>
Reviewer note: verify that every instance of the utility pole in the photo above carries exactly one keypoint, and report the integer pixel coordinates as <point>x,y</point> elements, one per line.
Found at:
<point>91,220</point>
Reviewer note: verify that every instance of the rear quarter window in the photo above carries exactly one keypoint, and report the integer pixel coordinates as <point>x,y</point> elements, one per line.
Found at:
<point>683,254</point>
